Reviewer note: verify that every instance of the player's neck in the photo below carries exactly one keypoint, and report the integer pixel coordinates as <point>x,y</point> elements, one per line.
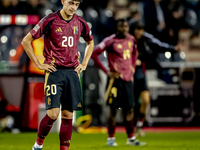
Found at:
<point>121,36</point>
<point>65,16</point>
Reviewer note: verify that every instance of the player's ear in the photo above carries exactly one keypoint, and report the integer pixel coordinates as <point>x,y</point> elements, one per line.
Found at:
<point>62,1</point>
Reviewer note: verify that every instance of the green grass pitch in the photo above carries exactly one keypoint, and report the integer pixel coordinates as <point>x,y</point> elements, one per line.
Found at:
<point>155,141</point>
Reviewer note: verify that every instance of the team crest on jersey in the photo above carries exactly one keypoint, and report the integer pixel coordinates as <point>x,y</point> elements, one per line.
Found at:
<point>75,29</point>
<point>36,27</point>
<point>49,101</point>
<point>119,46</point>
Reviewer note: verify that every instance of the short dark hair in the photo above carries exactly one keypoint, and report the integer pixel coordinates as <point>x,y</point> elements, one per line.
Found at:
<point>136,25</point>
<point>78,0</point>
<point>117,21</point>
<point>121,20</point>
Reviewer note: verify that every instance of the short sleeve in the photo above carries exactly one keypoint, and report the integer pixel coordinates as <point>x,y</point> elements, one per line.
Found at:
<point>86,32</point>
<point>107,42</point>
<point>38,30</point>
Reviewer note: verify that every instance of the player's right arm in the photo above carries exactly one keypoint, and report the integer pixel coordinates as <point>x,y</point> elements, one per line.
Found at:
<point>26,43</point>
<point>38,31</point>
<point>98,50</point>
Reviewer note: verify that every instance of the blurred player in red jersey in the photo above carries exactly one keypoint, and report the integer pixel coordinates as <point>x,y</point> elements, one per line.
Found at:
<point>122,54</point>
<point>61,31</point>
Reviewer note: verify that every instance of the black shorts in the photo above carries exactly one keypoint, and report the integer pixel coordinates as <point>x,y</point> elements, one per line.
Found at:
<point>120,94</point>
<point>63,87</point>
<point>140,84</point>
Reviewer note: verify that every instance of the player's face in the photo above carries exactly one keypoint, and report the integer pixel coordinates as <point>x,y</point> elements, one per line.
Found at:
<point>70,6</point>
<point>123,28</point>
<point>138,33</point>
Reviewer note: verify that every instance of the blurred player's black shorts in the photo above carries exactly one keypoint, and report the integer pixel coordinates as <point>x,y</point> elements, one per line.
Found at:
<point>139,83</point>
<point>121,94</point>
<point>63,87</point>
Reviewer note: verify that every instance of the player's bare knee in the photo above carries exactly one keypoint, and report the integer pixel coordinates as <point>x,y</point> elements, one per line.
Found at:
<point>53,113</point>
<point>129,114</point>
<point>67,114</point>
<point>53,116</point>
<point>113,112</point>
<point>111,120</point>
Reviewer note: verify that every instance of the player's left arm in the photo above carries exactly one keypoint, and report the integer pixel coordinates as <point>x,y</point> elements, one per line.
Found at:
<point>88,52</point>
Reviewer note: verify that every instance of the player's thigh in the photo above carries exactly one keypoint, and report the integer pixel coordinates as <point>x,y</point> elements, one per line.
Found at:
<point>113,111</point>
<point>53,89</point>
<point>114,94</point>
<point>71,99</point>
<point>139,86</point>
<point>128,95</point>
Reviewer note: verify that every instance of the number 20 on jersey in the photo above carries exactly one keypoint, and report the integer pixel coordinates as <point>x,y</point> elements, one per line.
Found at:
<point>67,41</point>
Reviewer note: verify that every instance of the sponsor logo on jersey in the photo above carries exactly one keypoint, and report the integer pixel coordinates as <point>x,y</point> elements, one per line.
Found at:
<point>59,29</point>
<point>75,29</point>
<point>36,27</point>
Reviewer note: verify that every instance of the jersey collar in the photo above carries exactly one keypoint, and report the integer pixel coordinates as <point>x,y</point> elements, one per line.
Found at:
<point>58,12</point>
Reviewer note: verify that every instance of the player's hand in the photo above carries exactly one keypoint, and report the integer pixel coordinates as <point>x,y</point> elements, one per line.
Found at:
<point>132,69</point>
<point>178,47</point>
<point>47,67</point>
<point>113,74</point>
<point>138,62</point>
<point>80,68</point>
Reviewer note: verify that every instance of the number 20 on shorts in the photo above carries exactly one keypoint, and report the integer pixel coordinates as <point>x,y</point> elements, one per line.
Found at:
<point>51,90</point>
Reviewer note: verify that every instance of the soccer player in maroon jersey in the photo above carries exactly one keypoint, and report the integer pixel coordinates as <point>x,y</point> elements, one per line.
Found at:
<point>61,31</point>
<point>122,53</point>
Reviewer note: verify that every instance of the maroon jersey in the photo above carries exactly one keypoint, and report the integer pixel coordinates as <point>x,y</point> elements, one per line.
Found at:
<point>61,38</point>
<point>122,55</point>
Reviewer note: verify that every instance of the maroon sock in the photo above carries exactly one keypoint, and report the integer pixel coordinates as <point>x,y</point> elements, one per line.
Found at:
<point>111,131</point>
<point>141,117</point>
<point>64,147</point>
<point>65,133</point>
<point>129,128</point>
<point>44,128</point>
